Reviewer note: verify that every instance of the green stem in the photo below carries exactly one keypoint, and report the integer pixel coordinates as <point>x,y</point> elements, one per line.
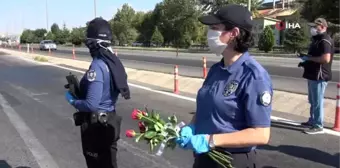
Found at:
<point>149,119</point>
<point>173,137</point>
<point>222,155</point>
<point>213,157</point>
<point>221,158</point>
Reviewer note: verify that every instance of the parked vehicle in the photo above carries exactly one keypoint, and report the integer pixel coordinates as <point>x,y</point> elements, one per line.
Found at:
<point>47,44</point>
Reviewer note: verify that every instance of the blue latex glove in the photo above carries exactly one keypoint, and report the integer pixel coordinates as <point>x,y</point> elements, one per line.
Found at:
<point>70,99</point>
<point>185,134</point>
<point>304,58</point>
<point>198,143</point>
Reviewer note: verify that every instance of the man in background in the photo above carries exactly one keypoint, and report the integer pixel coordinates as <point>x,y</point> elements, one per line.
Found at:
<point>318,71</point>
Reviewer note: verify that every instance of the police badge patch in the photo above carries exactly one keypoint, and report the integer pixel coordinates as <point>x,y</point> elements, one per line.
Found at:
<point>266,98</point>
<point>230,88</point>
<point>91,75</point>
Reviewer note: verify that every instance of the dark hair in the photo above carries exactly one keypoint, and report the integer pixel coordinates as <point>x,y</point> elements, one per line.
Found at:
<point>243,41</point>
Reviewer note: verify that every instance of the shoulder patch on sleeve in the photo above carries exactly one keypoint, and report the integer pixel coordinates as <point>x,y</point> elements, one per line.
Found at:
<point>266,98</point>
<point>91,75</point>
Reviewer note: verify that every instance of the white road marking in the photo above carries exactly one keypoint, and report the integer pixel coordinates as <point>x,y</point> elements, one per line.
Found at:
<point>291,122</point>
<point>27,92</point>
<point>41,155</point>
<point>283,120</point>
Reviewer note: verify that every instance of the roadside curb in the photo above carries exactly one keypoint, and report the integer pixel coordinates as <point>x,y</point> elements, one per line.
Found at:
<point>292,103</point>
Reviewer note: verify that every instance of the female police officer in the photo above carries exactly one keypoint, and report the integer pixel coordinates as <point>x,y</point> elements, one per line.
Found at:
<point>234,103</point>
<point>100,87</point>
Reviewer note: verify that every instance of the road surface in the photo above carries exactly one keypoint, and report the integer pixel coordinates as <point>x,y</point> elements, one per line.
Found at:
<point>286,76</point>
<point>37,129</point>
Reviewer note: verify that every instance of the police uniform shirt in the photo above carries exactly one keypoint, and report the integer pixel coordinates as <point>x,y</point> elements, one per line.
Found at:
<point>321,44</point>
<point>234,98</point>
<point>95,89</point>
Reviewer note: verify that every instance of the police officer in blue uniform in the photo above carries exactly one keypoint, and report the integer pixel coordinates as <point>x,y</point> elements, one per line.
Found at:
<point>234,104</point>
<point>99,89</point>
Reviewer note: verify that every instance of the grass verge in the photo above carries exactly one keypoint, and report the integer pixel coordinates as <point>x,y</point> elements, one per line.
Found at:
<point>40,59</point>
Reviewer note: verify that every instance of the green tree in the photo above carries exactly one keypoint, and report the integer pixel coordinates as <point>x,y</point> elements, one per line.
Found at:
<point>77,36</point>
<point>157,37</point>
<point>61,36</point>
<point>267,39</point>
<point>328,9</point>
<point>25,36</point>
<point>122,25</point>
<point>49,36</point>
<point>297,39</point>
<point>202,35</point>
<point>55,28</point>
<point>39,35</point>
<point>146,28</point>
<point>32,38</point>
<point>177,20</point>
<point>138,20</point>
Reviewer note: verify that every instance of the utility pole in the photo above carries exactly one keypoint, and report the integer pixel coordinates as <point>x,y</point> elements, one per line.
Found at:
<point>249,5</point>
<point>46,16</point>
<point>95,8</point>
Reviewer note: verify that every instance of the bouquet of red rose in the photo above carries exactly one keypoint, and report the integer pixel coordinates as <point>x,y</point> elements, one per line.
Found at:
<point>156,131</point>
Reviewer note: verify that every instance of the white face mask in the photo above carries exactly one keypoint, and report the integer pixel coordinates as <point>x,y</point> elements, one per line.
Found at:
<point>313,31</point>
<point>214,42</point>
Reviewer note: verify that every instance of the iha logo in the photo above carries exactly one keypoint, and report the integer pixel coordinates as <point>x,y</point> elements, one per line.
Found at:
<point>286,25</point>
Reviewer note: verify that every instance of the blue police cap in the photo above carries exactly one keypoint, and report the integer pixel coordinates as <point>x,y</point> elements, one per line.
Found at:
<point>99,28</point>
<point>232,14</point>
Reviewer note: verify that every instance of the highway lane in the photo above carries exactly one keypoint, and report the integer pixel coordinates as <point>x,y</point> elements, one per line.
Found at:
<point>275,66</point>
<point>266,60</point>
<point>157,53</point>
<point>36,94</point>
<point>189,68</point>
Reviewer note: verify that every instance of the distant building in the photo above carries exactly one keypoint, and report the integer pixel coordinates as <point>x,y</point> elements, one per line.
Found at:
<point>260,24</point>
<point>278,4</point>
<point>10,39</point>
<point>271,13</point>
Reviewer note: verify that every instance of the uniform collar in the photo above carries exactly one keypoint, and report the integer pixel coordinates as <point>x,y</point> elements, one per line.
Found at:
<point>234,66</point>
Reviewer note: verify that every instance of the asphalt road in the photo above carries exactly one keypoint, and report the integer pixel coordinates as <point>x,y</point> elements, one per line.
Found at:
<point>286,76</point>
<point>37,129</point>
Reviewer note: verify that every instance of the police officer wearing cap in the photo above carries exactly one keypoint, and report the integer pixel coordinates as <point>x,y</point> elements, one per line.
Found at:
<point>100,86</point>
<point>317,66</point>
<point>234,104</point>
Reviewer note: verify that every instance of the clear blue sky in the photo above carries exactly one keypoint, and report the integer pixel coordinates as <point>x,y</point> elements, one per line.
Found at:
<point>31,14</point>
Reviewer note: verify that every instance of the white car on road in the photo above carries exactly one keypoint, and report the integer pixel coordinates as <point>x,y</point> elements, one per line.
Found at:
<point>47,44</point>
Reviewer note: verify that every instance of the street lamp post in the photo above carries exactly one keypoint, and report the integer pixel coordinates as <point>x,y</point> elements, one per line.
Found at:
<point>249,5</point>
<point>46,16</point>
<point>95,8</point>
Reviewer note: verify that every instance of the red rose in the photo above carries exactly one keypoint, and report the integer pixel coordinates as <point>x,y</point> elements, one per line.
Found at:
<point>141,127</point>
<point>144,113</point>
<point>130,133</point>
<point>136,114</point>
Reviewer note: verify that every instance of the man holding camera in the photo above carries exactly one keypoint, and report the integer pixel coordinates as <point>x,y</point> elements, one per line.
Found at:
<point>318,71</point>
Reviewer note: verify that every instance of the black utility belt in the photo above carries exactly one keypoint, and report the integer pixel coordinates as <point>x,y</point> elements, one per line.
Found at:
<point>91,117</point>
<point>234,152</point>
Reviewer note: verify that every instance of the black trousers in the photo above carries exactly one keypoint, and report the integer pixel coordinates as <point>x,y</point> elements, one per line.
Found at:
<point>240,160</point>
<point>99,142</point>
